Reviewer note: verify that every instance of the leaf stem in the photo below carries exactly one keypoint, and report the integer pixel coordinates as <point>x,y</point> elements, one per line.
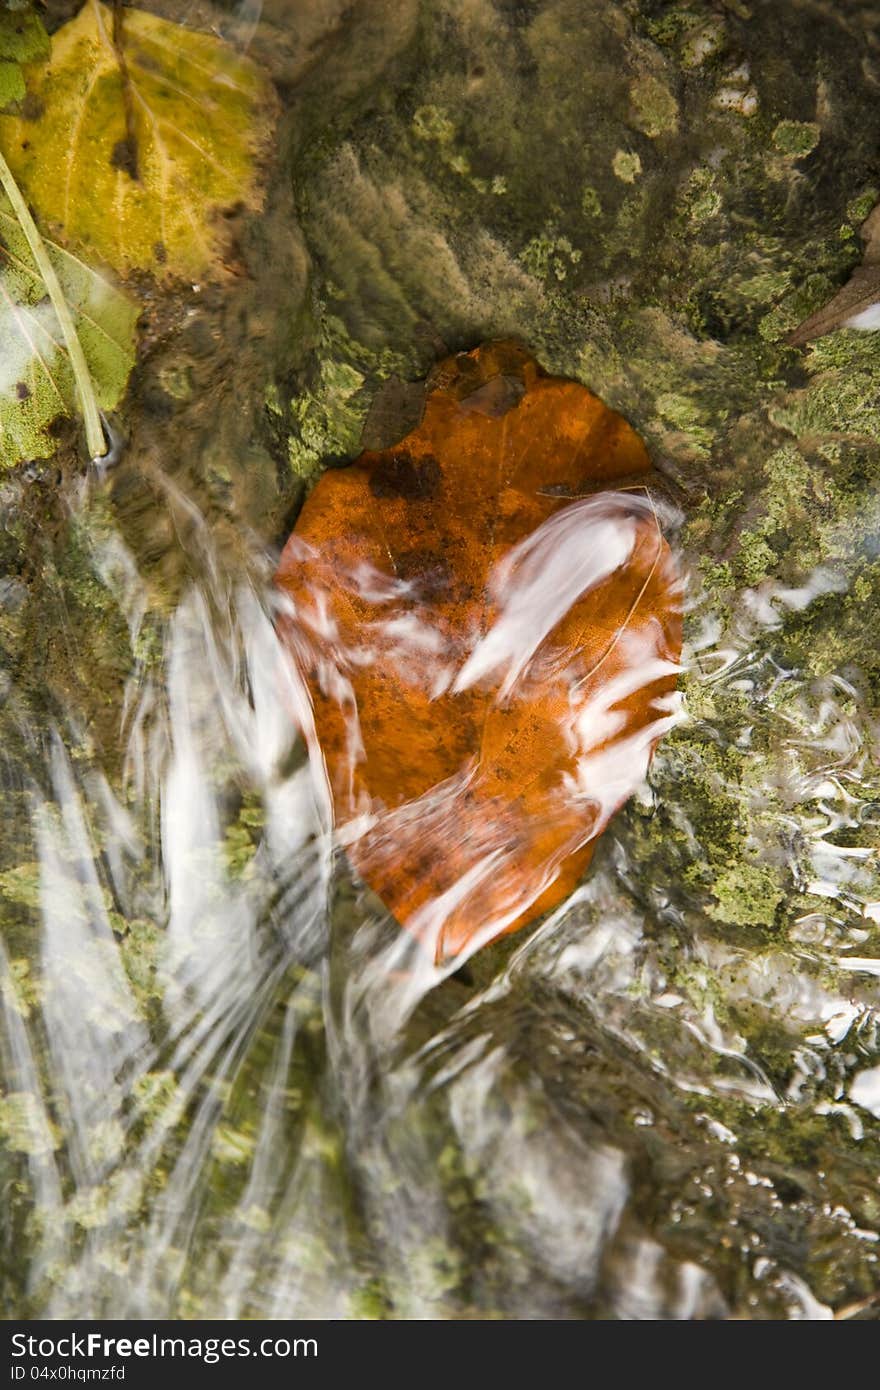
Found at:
<point>97,444</point>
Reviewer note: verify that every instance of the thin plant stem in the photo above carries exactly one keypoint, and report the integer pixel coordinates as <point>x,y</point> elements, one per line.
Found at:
<point>95,440</point>
<point>634,606</point>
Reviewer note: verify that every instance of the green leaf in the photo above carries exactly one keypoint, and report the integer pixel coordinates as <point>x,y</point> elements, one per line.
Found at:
<point>36,377</point>
<point>137,138</point>
<point>22,40</point>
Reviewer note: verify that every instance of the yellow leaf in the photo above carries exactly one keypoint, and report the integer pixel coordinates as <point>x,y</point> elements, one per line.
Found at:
<point>138,139</point>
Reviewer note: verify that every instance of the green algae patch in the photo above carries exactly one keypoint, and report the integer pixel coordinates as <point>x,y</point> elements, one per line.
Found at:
<point>655,109</point>
<point>431,123</point>
<point>24,1126</point>
<point>796,138</point>
<point>747,895</point>
<point>550,257</point>
<point>626,165</point>
<point>21,885</point>
<point>326,419</point>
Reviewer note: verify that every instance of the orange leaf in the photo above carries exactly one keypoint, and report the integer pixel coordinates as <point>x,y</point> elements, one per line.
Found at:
<point>489,633</point>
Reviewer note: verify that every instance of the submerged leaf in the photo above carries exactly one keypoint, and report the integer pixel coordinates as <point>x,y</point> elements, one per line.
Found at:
<point>138,138</point>
<point>490,645</point>
<point>36,377</point>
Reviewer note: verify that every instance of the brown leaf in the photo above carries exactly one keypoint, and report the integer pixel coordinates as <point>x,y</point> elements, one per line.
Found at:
<point>490,663</point>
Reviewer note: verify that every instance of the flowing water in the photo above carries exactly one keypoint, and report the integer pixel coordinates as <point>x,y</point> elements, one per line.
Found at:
<point>233,1088</point>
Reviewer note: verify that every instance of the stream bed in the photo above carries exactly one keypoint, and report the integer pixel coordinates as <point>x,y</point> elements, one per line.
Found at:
<point>223,1094</point>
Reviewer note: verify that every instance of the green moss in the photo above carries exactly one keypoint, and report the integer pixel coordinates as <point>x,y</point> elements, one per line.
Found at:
<point>687,415</point>
<point>591,205</point>
<point>702,43</point>
<point>159,1096</point>
<point>140,949</point>
<point>24,1126</point>
<point>673,23</point>
<point>176,379</point>
<point>655,109</point>
<point>548,256</point>
<point>326,419</point>
<point>747,895</point>
<point>702,198</point>
<point>843,395</point>
<point>242,837</point>
<point>755,558</point>
<point>22,988</point>
<point>796,138</point>
<point>859,207</point>
<point>627,165</point>
<point>22,884</point>
<point>370,1302</point>
<point>232,1146</point>
<point>432,123</point>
